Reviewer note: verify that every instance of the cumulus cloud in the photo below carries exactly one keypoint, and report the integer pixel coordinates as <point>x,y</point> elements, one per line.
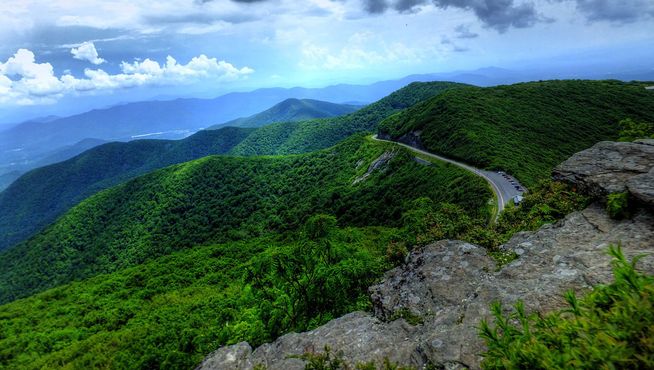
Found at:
<point>86,51</point>
<point>24,81</point>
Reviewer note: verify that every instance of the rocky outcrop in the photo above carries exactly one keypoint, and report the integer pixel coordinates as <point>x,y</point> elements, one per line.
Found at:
<point>358,336</point>
<point>377,164</point>
<point>445,289</point>
<point>608,167</point>
<point>449,285</point>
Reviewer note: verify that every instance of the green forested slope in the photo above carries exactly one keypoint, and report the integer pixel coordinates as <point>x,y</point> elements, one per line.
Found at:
<point>525,129</point>
<point>305,136</point>
<point>217,198</point>
<point>171,312</point>
<point>40,196</point>
<point>291,110</point>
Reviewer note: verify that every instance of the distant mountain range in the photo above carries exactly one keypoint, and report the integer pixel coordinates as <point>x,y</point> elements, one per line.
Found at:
<point>490,127</point>
<point>9,172</point>
<point>123,122</point>
<point>24,145</point>
<point>43,194</point>
<point>38,197</point>
<point>291,110</point>
<point>44,141</point>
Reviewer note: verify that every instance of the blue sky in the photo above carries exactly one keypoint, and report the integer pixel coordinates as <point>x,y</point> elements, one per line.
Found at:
<point>67,52</point>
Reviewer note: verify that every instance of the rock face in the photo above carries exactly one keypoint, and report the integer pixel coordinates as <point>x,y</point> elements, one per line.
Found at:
<point>642,187</point>
<point>449,285</point>
<point>377,164</point>
<point>608,167</point>
<point>446,288</point>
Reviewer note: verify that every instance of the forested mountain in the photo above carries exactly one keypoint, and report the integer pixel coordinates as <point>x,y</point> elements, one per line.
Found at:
<point>36,199</point>
<point>7,178</point>
<point>13,170</point>
<point>291,110</point>
<point>218,198</point>
<point>300,137</point>
<point>525,129</point>
<point>40,196</point>
<point>169,119</point>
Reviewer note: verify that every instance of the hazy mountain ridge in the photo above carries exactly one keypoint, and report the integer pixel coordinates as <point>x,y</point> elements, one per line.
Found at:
<point>22,145</point>
<point>305,136</point>
<point>41,195</point>
<point>291,110</point>
<point>33,201</point>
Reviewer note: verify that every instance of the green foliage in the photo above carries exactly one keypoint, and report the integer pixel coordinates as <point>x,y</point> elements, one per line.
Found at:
<point>406,314</point>
<point>502,257</point>
<point>617,205</point>
<point>426,222</point>
<point>170,312</point>
<point>547,202</point>
<point>218,199</point>
<point>306,136</point>
<point>630,130</point>
<point>42,195</point>
<point>323,361</point>
<point>525,129</point>
<point>310,282</point>
<point>611,328</point>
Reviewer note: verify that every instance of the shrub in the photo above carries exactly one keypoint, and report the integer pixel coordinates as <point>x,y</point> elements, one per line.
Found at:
<point>617,205</point>
<point>612,327</point>
<point>630,130</point>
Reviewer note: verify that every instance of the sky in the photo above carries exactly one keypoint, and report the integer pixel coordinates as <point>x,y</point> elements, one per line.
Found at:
<point>79,53</point>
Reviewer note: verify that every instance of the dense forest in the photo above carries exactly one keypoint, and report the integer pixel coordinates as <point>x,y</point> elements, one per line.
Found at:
<point>40,196</point>
<point>305,136</point>
<point>170,312</point>
<point>220,198</point>
<point>525,129</point>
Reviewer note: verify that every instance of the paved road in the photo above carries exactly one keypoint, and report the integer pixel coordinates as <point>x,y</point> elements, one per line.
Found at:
<point>501,184</point>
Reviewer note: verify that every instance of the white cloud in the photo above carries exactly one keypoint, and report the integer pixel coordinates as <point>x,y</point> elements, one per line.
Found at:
<point>86,51</point>
<point>23,81</point>
<point>363,50</point>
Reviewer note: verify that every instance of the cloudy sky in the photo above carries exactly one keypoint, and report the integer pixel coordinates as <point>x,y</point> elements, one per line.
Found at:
<point>56,52</point>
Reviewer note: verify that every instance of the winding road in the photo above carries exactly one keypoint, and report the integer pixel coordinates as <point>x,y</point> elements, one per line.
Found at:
<point>502,185</point>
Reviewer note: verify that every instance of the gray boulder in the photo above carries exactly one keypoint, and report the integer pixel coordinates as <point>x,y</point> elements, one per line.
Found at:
<point>607,167</point>
<point>358,337</point>
<point>642,187</point>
